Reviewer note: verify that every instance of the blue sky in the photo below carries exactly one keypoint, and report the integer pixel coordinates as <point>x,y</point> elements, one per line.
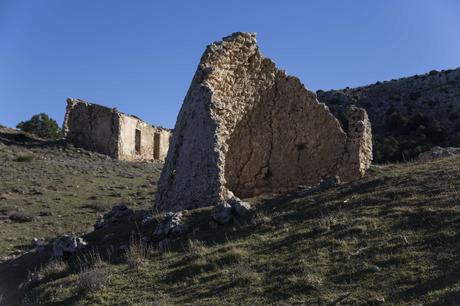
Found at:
<point>140,56</point>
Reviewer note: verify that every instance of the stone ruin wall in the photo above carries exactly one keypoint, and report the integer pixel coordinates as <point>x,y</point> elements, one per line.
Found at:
<point>92,127</point>
<point>108,131</point>
<point>247,128</point>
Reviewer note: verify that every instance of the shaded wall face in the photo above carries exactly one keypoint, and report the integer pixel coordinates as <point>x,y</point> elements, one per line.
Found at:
<point>161,144</point>
<point>92,127</point>
<point>288,139</point>
<point>136,141</point>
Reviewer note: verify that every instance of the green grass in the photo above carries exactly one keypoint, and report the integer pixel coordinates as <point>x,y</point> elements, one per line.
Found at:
<point>64,191</point>
<point>312,250</point>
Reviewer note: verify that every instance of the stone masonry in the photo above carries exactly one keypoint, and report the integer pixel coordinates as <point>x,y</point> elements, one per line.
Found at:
<point>247,128</point>
<point>108,131</point>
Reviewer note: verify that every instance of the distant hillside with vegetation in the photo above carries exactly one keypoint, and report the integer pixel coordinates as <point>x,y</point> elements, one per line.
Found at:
<point>408,115</point>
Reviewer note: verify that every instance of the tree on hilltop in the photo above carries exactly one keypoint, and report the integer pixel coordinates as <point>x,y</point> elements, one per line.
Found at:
<point>41,125</point>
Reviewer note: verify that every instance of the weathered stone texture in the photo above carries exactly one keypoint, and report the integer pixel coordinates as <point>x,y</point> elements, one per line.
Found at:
<point>247,128</point>
<point>108,131</point>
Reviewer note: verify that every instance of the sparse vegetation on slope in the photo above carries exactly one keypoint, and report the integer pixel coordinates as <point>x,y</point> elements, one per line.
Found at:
<point>393,236</point>
<point>408,115</point>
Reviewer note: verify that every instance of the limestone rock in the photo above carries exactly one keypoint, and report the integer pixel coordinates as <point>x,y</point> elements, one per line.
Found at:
<point>247,128</point>
<point>118,213</point>
<point>171,227</point>
<point>239,207</point>
<point>66,245</point>
<point>438,152</point>
<point>222,213</point>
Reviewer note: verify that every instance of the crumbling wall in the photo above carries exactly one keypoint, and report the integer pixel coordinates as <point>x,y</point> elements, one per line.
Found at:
<point>127,139</point>
<point>246,128</point>
<point>108,131</point>
<point>358,155</point>
<point>161,143</point>
<point>92,127</point>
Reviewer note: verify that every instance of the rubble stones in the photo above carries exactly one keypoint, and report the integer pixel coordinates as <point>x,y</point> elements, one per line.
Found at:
<point>171,227</point>
<point>118,213</point>
<point>66,245</point>
<point>247,128</point>
<point>225,212</point>
<point>222,213</point>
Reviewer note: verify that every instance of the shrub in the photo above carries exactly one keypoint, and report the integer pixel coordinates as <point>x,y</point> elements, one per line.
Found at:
<point>42,126</point>
<point>21,216</point>
<point>396,121</point>
<point>92,279</point>
<point>415,95</point>
<point>98,206</point>
<point>136,255</point>
<point>242,273</point>
<point>93,274</point>
<point>195,249</point>
<point>24,157</point>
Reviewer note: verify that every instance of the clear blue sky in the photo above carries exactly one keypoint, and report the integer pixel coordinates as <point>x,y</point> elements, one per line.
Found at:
<point>140,56</point>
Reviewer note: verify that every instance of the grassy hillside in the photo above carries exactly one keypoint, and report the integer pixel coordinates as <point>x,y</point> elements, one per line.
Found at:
<point>393,236</point>
<point>48,188</point>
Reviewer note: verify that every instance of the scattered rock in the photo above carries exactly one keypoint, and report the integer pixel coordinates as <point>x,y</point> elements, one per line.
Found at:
<point>329,182</point>
<point>38,245</point>
<point>66,245</point>
<point>326,183</point>
<point>438,152</point>
<point>171,227</point>
<point>240,208</point>
<point>118,213</point>
<point>222,213</point>
<point>45,213</point>
<point>373,268</point>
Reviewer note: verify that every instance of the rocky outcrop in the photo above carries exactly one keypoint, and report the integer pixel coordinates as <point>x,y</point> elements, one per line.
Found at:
<point>438,152</point>
<point>247,128</point>
<point>66,245</point>
<point>121,213</point>
<point>408,115</point>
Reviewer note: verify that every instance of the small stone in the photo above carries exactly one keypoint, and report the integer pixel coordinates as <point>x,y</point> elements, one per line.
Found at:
<point>329,182</point>
<point>241,208</point>
<point>222,213</point>
<point>66,245</point>
<point>373,268</point>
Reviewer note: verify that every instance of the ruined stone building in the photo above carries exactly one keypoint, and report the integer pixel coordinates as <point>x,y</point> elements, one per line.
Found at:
<point>247,128</point>
<point>108,131</point>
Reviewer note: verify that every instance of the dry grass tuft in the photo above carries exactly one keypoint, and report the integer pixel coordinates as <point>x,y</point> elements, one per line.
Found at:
<point>136,255</point>
<point>195,249</point>
<point>93,275</point>
<point>21,216</point>
<point>242,273</point>
<point>24,157</point>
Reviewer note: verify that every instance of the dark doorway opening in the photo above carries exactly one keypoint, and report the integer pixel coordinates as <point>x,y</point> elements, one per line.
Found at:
<point>137,145</point>
<point>156,146</point>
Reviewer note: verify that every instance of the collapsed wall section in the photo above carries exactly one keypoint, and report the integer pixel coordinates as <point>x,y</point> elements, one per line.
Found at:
<point>247,128</point>
<point>92,127</point>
